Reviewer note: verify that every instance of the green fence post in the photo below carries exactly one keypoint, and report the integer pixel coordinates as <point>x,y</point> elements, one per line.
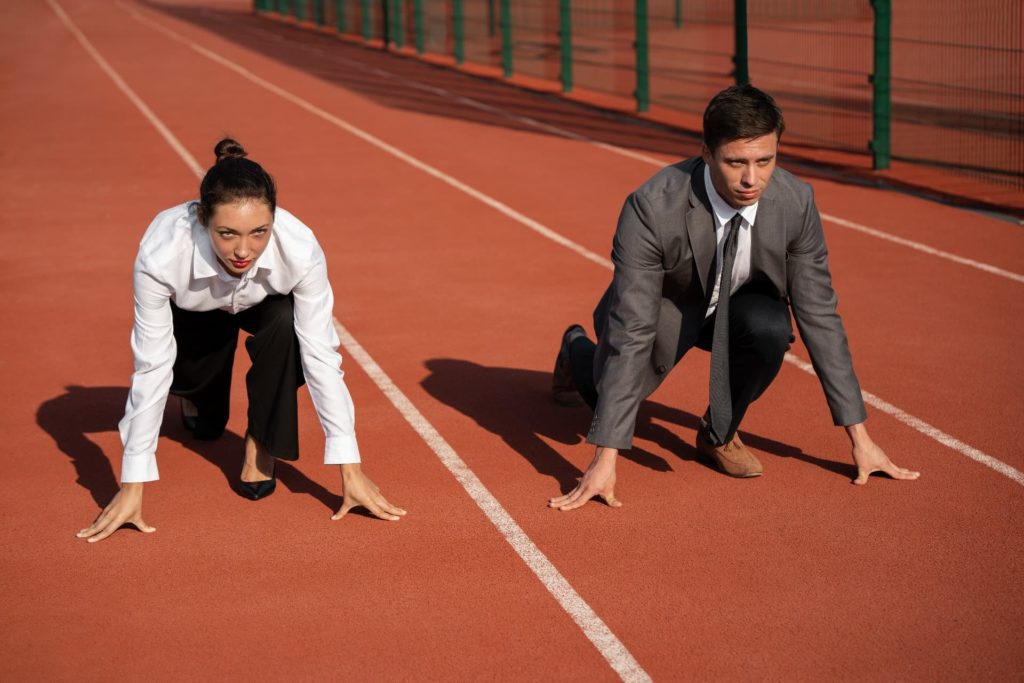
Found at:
<point>679,13</point>
<point>282,7</point>
<point>385,10</point>
<point>491,22</point>
<point>300,10</point>
<point>643,64</point>
<point>318,12</point>
<point>565,35</point>
<point>367,19</point>
<point>398,12</point>
<point>460,51</point>
<point>339,16</point>
<point>881,110</point>
<point>506,38</point>
<point>417,21</point>
<point>740,58</point>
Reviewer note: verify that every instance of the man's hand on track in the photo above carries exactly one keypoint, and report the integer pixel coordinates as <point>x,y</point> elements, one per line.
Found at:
<point>598,480</point>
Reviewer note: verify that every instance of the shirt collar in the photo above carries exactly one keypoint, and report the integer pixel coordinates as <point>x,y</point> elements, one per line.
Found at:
<point>206,264</point>
<point>723,212</point>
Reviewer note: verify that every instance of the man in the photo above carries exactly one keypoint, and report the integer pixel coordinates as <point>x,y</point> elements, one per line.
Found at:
<point>713,252</point>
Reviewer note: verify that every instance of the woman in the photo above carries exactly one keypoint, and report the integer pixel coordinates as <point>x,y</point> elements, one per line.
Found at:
<point>205,270</point>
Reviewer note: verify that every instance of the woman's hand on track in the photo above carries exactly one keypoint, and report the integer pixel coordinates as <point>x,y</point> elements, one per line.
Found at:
<point>870,458</point>
<point>599,480</point>
<point>124,508</point>
<point>359,491</point>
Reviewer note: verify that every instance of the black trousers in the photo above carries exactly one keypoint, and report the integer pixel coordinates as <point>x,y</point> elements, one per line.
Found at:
<point>759,336</point>
<point>202,370</point>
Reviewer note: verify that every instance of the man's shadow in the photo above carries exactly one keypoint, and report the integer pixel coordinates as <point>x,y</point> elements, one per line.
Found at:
<point>80,411</point>
<point>516,405</point>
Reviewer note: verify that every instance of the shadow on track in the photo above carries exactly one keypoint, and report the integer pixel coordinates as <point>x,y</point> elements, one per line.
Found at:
<point>80,411</point>
<point>516,405</point>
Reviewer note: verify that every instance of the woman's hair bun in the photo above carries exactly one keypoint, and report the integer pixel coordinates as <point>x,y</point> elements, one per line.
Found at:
<point>229,149</point>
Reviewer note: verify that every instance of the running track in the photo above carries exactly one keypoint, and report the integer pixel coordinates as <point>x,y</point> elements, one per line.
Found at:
<point>424,203</point>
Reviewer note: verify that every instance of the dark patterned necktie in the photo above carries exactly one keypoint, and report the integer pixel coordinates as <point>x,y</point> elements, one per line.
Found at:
<point>721,395</point>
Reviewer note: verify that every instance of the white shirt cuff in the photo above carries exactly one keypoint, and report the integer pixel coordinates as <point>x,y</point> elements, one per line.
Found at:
<point>341,450</point>
<point>139,468</point>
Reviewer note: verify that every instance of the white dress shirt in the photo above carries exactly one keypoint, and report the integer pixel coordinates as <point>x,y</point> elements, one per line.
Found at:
<point>177,262</point>
<point>723,214</point>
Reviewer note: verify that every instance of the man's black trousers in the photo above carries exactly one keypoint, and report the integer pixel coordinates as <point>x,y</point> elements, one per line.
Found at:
<point>759,336</point>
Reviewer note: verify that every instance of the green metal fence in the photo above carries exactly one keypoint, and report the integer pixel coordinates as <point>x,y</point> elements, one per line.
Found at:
<point>937,82</point>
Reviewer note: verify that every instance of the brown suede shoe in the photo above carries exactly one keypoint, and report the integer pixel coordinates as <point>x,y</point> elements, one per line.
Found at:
<point>732,458</point>
<point>563,389</point>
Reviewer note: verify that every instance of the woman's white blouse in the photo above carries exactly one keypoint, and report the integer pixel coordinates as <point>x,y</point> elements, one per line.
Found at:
<point>176,262</point>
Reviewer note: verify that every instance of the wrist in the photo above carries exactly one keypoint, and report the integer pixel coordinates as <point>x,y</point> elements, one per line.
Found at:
<point>606,453</point>
<point>351,469</point>
<point>858,435</point>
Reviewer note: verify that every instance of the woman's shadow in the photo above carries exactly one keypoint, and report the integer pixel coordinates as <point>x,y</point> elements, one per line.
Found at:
<point>516,405</point>
<point>80,411</point>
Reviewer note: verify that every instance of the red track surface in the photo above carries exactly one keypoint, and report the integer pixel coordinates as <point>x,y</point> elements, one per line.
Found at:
<point>797,575</point>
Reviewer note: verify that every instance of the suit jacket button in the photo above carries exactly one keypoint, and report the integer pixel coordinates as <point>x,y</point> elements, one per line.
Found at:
<point>660,369</point>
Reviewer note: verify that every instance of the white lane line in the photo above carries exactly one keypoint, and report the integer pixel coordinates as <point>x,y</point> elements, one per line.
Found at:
<point>871,399</point>
<point>593,627</point>
<point>926,429</point>
<point>647,159</point>
<point>905,418</point>
<point>375,141</point>
<point>638,156</point>
<point>924,248</point>
<point>128,92</point>
<point>616,654</point>
<point>644,158</point>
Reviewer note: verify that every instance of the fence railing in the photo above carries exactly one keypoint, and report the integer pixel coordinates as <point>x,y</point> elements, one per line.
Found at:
<point>936,82</point>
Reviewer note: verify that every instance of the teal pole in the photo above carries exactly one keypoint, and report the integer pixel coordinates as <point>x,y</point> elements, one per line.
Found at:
<point>506,38</point>
<point>740,58</point>
<point>318,11</point>
<point>460,52</point>
<point>300,10</point>
<point>417,20</point>
<point>881,82</point>
<point>565,36</point>
<point>367,19</point>
<point>679,13</point>
<point>339,16</point>
<point>398,23</point>
<point>643,65</point>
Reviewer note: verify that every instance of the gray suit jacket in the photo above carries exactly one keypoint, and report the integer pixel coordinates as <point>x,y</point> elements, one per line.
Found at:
<point>664,252</point>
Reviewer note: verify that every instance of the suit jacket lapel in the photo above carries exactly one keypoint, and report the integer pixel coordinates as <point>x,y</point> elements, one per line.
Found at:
<point>700,227</point>
<point>768,239</point>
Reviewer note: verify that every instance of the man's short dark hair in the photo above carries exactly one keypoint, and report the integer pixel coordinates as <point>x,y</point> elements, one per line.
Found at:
<point>741,112</point>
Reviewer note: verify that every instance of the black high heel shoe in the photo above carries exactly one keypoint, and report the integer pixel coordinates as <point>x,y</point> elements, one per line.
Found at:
<point>254,490</point>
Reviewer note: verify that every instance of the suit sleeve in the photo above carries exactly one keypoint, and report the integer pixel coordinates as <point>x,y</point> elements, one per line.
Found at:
<point>625,347</point>
<point>814,307</point>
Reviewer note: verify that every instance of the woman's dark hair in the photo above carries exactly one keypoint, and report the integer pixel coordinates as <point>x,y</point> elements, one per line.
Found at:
<point>741,112</point>
<point>234,177</point>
